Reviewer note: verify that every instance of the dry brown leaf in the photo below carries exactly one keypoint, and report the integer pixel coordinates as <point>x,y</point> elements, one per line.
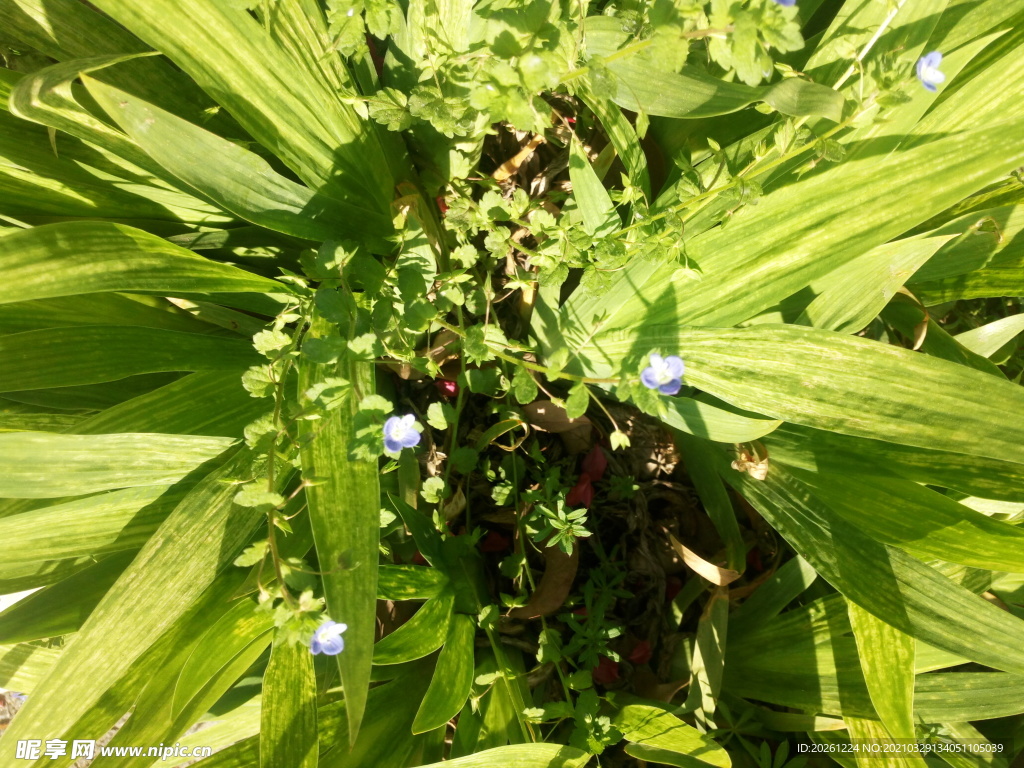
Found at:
<point>700,566</point>
<point>438,352</point>
<point>548,417</point>
<point>455,505</point>
<point>554,585</point>
<point>511,166</point>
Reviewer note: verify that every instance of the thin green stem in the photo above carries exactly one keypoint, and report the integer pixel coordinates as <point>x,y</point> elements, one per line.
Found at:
<point>551,373</point>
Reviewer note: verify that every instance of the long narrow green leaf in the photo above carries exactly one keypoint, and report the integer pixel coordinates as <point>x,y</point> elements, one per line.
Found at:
<point>96,309</point>
<point>201,536</point>
<point>423,634</point>
<point>64,357</point>
<point>62,608</point>
<point>596,207</point>
<point>852,296</point>
<point>92,257</point>
<point>241,631</point>
<point>84,182</point>
<point>925,523</point>
<point>819,451</point>
<point>453,677</point>
<point>409,582</point>
<point>988,339</point>
<point>238,180</point>
<point>744,272</point>
<point>288,732</point>
<point>205,403</point>
<point>22,667</point>
<point>705,417</point>
<point>833,382</point>
<point>67,29</point>
<point>47,97</point>
<point>230,55</point>
<point>784,586</point>
<point>345,513</point>
<point>883,580</point>
<point>149,685</point>
<point>38,465</point>
<point>715,499</point>
<point>90,527</point>
<point>887,658</point>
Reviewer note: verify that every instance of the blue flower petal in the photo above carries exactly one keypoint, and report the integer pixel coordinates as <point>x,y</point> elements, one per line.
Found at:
<point>327,639</point>
<point>675,366</point>
<point>671,388</point>
<point>649,378</point>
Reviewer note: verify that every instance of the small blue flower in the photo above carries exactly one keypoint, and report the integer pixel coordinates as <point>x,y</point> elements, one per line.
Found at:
<point>400,432</point>
<point>327,639</point>
<point>928,71</point>
<point>664,374</point>
<point>787,3</point>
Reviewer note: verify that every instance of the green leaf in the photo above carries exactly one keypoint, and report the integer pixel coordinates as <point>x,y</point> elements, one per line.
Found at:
<point>436,416</point>
<point>22,667</point>
<point>283,106</point>
<point>677,743</point>
<point>816,450</point>
<point>523,386</point>
<point>404,582</point>
<point>61,609</point>
<point>624,138</point>
<point>983,284</point>
<point>90,527</point>
<point>850,297</point>
<point>888,583</point>
<point>711,421</point>
<point>838,383</point>
<point>577,401</point>
<point>990,338</point>
<point>345,512</point>
<point>92,257</point>
<point>198,539</point>
<point>787,583</point>
<point>925,523</point>
<point>157,673</point>
<point>453,677</point>
<point>63,357</point>
<point>236,179</point>
<point>48,97</point>
<point>713,495</point>
<point>521,756</point>
<point>66,29</point>
<point>599,215</point>
<point>288,729</point>
<point>241,633</point>
<point>91,463</point>
<point>804,659</point>
<point>423,634</point>
<point>694,94</point>
<point>97,309</point>
<point>887,657</point>
<point>920,183</point>
<point>204,403</point>
<point>708,661</point>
